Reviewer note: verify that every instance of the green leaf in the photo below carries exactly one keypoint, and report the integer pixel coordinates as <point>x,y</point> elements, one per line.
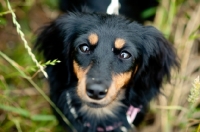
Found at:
<point>148,12</point>
<point>19,111</point>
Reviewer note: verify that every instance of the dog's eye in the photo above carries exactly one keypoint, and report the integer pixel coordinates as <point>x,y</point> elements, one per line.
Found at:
<point>124,55</point>
<point>84,48</point>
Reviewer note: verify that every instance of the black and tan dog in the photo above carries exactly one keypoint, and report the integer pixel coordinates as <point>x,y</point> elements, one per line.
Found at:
<point>111,67</point>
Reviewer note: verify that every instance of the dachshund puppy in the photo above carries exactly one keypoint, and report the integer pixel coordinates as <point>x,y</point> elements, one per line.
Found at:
<point>111,67</point>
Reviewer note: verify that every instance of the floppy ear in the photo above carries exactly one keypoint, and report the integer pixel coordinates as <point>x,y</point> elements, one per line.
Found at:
<point>54,42</point>
<point>157,57</point>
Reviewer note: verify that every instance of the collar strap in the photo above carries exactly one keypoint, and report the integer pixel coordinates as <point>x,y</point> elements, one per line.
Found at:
<point>108,128</point>
<point>131,113</point>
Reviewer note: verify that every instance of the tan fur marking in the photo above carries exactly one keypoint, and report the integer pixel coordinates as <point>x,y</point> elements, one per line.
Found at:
<point>93,39</point>
<point>81,75</point>
<point>118,83</point>
<point>78,71</point>
<point>114,95</point>
<point>121,80</point>
<point>119,43</point>
<point>136,68</point>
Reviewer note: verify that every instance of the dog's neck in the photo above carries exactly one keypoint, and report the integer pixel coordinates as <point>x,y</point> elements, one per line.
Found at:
<point>130,115</point>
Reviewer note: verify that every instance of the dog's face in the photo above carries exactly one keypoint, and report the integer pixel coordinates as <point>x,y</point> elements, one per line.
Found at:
<point>108,58</point>
<point>104,63</point>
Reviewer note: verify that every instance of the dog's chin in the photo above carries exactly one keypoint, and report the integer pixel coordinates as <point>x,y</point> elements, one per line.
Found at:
<point>103,108</point>
<point>95,105</point>
<point>100,110</point>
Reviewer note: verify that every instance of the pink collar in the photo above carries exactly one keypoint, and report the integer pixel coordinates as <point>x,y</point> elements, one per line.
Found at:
<point>130,114</point>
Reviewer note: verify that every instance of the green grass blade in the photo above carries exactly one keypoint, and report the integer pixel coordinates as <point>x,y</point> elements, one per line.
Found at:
<point>13,109</point>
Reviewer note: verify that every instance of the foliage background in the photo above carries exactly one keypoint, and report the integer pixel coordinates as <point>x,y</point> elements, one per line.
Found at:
<point>24,106</point>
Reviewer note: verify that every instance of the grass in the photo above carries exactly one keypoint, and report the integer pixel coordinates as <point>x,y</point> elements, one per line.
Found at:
<point>24,104</point>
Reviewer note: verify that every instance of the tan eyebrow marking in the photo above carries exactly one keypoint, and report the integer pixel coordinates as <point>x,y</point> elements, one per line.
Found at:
<point>93,38</point>
<point>119,43</point>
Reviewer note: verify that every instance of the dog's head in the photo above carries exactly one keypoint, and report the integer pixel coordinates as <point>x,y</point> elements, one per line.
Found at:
<point>108,58</point>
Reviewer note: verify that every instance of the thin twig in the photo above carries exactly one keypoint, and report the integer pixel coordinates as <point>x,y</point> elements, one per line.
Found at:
<point>18,28</point>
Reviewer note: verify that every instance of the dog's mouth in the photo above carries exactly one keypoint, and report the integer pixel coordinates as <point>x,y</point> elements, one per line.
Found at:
<point>106,102</point>
<point>95,105</point>
<point>102,108</point>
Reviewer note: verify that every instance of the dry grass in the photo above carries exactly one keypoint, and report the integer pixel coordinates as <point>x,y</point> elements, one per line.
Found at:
<point>174,112</point>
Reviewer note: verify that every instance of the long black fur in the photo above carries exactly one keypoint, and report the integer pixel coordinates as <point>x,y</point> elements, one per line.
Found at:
<point>152,53</point>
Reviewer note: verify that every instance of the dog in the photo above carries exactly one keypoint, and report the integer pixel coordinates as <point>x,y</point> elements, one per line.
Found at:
<point>110,69</point>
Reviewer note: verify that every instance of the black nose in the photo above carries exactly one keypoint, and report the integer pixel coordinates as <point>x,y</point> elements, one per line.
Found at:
<point>96,91</point>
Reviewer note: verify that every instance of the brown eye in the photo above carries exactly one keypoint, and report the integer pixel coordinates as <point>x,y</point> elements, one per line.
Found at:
<point>84,48</point>
<point>124,55</point>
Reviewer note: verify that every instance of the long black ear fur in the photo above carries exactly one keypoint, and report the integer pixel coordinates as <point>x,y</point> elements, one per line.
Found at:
<point>54,43</point>
<point>157,57</point>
